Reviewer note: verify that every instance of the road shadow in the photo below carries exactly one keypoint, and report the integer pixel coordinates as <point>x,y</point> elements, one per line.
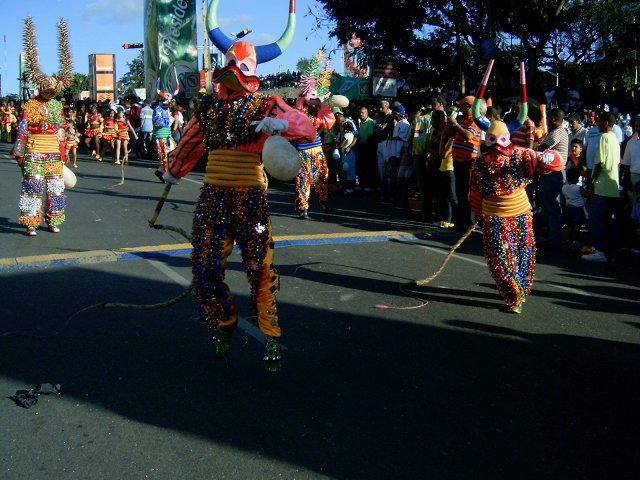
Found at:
<point>361,396</point>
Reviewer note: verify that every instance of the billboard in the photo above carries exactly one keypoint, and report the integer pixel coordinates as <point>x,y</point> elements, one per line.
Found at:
<point>102,76</point>
<point>170,48</point>
<point>385,80</point>
<point>351,87</point>
<point>355,63</point>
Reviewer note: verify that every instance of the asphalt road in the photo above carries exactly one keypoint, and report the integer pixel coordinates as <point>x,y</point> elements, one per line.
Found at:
<point>458,389</point>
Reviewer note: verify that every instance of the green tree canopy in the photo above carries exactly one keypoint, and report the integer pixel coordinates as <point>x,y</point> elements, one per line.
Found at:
<point>134,78</point>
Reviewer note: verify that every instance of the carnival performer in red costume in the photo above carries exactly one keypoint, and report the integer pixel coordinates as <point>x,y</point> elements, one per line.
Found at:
<point>39,148</point>
<point>94,123</point>
<point>231,126</point>
<point>109,134</point>
<point>498,180</point>
<point>314,171</point>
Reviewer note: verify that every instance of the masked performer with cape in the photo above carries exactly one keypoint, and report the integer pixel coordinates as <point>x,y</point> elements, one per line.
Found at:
<point>231,126</point>
<point>498,179</point>
<point>39,147</point>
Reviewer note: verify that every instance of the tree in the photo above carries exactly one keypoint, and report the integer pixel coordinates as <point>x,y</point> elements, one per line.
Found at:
<point>79,84</point>
<point>134,78</point>
<point>302,64</point>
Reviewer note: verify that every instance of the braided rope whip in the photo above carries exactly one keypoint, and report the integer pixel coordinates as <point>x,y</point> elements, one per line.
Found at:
<point>418,283</point>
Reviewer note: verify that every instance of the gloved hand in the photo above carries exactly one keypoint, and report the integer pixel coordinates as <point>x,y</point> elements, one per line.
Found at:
<point>269,125</point>
<point>548,157</point>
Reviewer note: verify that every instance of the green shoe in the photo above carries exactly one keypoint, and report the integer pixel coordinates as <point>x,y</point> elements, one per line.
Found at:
<point>221,343</point>
<point>273,355</point>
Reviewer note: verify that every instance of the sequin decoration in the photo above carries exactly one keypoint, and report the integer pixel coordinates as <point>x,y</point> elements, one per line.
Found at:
<point>223,216</point>
<point>314,172</point>
<point>509,249</point>
<point>227,122</point>
<point>496,174</point>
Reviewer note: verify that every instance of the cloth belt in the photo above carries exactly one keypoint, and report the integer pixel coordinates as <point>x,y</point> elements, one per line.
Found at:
<point>510,205</point>
<point>42,143</point>
<point>232,168</point>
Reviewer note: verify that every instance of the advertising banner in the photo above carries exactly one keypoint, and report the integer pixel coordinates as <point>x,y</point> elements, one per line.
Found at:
<point>351,87</point>
<point>355,64</point>
<point>170,48</point>
<point>385,80</point>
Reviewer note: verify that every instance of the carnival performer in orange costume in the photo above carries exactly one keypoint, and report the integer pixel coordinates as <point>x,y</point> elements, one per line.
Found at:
<point>38,149</point>
<point>498,180</point>
<point>94,122</point>
<point>314,171</point>
<point>71,143</point>
<point>109,133</point>
<point>8,120</point>
<point>122,137</point>
<point>231,126</point>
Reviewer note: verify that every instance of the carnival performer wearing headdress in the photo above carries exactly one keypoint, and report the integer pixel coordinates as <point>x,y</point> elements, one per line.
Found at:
<point>314,171</point>
<point>161,130</point>
<point>498,180</point>
<point>232,126</point>
<point>37,148</point>
<point>94,125</point>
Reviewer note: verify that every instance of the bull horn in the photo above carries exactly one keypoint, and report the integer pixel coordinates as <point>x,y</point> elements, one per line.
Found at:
<point>475,111</point>
<point>65,75</point>
<point>264,53</point>
<point>217,36</point>
<point>524,106</point>
<point>32,59</point>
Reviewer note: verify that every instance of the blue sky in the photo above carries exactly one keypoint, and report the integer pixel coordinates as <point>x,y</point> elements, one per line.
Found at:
<point>102,26</point>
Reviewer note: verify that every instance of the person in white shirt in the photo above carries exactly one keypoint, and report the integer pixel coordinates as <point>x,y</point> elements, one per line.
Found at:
<point>574,215</point>
<point>631,158</point>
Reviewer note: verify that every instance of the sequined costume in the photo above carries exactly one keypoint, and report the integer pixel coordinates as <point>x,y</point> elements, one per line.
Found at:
<point>71,136</point>
<point>314,171</point>
<point>109,130</point>
<point>122,131</point>
<point>39,148</point>
<point>498,180</point>
<point>94,124</point>
<point>8,120</point>
<point>233,204</point>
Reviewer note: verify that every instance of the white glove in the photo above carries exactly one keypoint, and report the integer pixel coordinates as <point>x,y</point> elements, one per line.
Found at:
<point>170,178</point>
<point>269,125</point>
<point>548,158</point>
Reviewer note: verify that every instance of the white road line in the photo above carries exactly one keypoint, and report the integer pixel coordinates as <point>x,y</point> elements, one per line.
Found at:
<point>249,328</point>
<point>197,182</point>
<point>538,280</point>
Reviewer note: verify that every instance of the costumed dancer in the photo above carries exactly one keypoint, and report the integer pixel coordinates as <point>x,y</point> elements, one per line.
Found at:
<point>498,180</point>
<point>38,147</point>
<point>8,119</point>
<point>109,133</point>
<point>232,126</point>
<point>71,143</point>
<point>93,130</point>
<point>122,137</point>
<point>161,129</point>
<point>314,171</point>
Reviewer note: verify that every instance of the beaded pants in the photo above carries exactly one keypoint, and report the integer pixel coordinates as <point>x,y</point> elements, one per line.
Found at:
<point>42,176</point>
<point>313,173</point>
<point>509,248</point>
<point>162,152</point>
<point>223,216</point>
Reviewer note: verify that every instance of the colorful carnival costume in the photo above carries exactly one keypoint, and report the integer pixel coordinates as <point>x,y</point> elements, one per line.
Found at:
<point>38,146</point>
<point>109,130</point>
<point>71,136</point>
<point>314,171</point>
<point>122,131</point>
<point>8,120</point>
<point>94,123</point>
<point>161,129</point>
<point>232,126</point>
<point>498,180</point>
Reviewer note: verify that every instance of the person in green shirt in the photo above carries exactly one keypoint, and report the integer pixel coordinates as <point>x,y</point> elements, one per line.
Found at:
<point>604,190</point>
<point>366,151</point>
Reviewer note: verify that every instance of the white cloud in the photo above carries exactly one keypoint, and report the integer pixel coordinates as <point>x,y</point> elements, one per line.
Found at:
<point>118,11</point>
<point>260,38</point>
<point>236,19</point>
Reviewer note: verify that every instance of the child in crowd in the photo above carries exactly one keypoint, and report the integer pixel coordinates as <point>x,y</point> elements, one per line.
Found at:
<point>122,137</point>
<point>574,216</point>
<point>72,137</point>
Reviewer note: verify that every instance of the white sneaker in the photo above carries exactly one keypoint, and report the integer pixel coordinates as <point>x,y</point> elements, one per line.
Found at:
<point>596,256</point>
<point>31,232</point>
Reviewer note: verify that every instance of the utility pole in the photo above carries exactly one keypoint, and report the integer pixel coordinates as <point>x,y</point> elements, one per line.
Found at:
<point>207,57</point>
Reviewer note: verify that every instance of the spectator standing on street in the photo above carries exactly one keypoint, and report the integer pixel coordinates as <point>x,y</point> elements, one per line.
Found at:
<point>631,159</point>
<point>384,133</point>
<point>146,126</point>
<point>604,192</point>
<point>464,149</point>
<point>366,151</point>
<point>577,130</point>
<point>551,183</point>
<point>574,215</point>
<point>418,138</point>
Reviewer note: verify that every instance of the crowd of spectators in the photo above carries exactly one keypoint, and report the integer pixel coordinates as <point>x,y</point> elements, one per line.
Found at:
<point>425,154</point>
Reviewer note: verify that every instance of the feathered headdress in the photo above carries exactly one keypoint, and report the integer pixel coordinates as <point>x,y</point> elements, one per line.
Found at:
<point>317,75</point>
<point>48,86</point>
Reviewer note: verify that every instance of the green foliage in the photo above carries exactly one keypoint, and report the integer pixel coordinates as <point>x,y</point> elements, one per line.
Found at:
<point>79,84</point>
<point>134,78</point>
<point>445,44</point>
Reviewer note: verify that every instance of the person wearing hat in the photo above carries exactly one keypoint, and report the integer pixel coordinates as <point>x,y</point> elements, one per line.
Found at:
<point>398,147</point>
<point>464,150</point>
